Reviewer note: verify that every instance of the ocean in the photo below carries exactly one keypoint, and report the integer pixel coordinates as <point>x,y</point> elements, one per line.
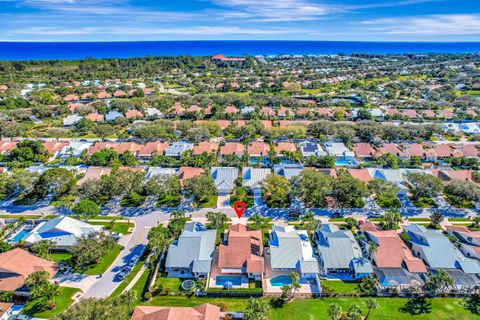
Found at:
<point>80,50</point>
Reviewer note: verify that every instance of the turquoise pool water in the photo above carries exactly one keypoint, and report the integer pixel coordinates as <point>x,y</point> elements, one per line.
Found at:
<point>344,162</point>
<point>235,280</point>
<point>280,281</point>
<point>20,236</point>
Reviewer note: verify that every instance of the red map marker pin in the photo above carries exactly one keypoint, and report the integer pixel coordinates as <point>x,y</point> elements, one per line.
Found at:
<point>239,207</point>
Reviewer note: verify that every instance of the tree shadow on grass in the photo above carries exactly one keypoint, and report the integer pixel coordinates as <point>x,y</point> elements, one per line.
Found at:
<point>417,306</point>
<point>472,303</point>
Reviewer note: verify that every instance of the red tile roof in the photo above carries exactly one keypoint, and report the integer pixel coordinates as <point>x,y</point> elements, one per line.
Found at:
<point>285,146</point>
<point>232,148</point>
<point>363,150</point>
<point>202,312</point>
<point>205,146</point>
<point>133,113</point>
<point>243,250</point>
<point>150,148</point>
<point>360,174</point>
<point>258,148</point>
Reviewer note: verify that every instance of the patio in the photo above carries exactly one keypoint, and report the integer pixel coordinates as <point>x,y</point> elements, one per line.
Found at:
<point>308,286</point>
<point>231,277</point>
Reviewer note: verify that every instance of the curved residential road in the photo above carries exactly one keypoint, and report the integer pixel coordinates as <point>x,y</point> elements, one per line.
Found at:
<point>135,246</point>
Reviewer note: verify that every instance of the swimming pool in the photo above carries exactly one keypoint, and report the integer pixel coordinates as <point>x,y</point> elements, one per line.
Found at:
<point>20,236</point>
<point>280,281</point>
<point>345,162</point>
<point>235,280</point>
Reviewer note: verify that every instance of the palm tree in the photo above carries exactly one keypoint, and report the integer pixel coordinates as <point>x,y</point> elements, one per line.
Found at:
<point>129,297</point>
<point>372,304</point>
<point>217,220</point>
<point>334,312</point>
<point>295,286</point>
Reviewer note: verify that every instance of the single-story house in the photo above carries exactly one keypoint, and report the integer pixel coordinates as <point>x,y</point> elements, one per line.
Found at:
<point>201,312</point>
<point>176,149</point>
<point>242,253</point>
<point>224,178</point>
<point>340,254</point>
<point>158,171</point>
<point>63,231</point>
<point>253,177</point>
<point>71,120</point>
<point>112,115</point>
<point>311,149</point>
<point>288,170</point>
<point>191,255</point>
<point>16,265</point>
<point>291,250</point>
<point>439,253</point>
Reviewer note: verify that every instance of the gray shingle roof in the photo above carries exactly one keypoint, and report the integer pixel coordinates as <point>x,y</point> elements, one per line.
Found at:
<point>252,177</point>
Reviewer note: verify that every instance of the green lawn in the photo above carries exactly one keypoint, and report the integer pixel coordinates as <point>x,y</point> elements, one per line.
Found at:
<point>173,284</point>
<point>169,201</point>
<point>63,301</point>
<point>341,286</point>
<point>140,285</point>
<point>133,200</point>
<point>316,309</point>
<point>211,203</point>
<point>120,227</point>
<point>424,202</point>
<point>60,256</point>
<point>105,262</point>
<point>419,219</point>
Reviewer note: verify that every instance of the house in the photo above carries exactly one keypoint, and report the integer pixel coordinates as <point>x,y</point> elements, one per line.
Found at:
<point>311,149</point>
<point>415,150</point>
<point>340,254</point>
<point>242,254</point>
<point>153,113</point>
<point>291,251</point>
<point>55,148</point>
<point>185,173</point>
<point>360,174</point>
<point>149,149</point>
<point>157,171</point>
<point>258,149</point>
<point>391,148</point>
<point>232,148</point>
<point>71,120</point>
<point>113,115</point>
<point>281,147</point>
<point>94,173</point>
<point>191,255</point>
<point>7,146</point>
<point>202,312</point>
<point>288,170</point>
<point>224,178</point>
<point>450,174</point>
<point>391,175</point>
<point>253,177</point>
<point>440,254</point>
<point>393,262</point>
<point>16,265</point>
<point>63,231</point>
<point>133,114</point>
<point>176,149</point>
<point>6,311</point>
<point>205,147</point>
<point>96,117</point>
<point>364,151</point>
<point>469,240</point>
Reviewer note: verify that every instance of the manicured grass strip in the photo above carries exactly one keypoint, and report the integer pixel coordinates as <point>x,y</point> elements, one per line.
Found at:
<point>120,227</point>
<point>336,220</point>
<point>317,309</point>
<point>460,219</point>
<point>169,284</point>
<point>341,286</point>
<point>118,291</point>
<point>211,203</point>
<point>62,301</point>
<point>140,285</point>
<point>105,262</point>
<point>17,216</point>
<point>419,219</point>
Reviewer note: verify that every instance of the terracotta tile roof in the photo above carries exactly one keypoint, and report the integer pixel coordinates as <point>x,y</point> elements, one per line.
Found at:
<point>4,308</point>
<point>363,150</point>
<point>202,312</point>
<point>104,95</point>
<point>428,113</point>
<point>468,150</point>
<point>267,111</point>
<point>70,97</point>
<point>285,146</point>
<point>360,174</point>
<point>133,113</point>
<point>186,173</point>
<point>231,109</point>
<point>205,146</point>
<point>7,146</point>
<point>232,148</point>
<point>94,173</point>
<point>96,117</point>
<point>55,146</point>
<point>442,150</point>
<point>258,148</point>
<point>223,123</point>
<point>243,250</point>
<point>391,148</point>
<point>119,93</point>
<point>266,123</point>
<point>392,252</point>
<point>73,106</point>
<point>415,150</point>
<point>17,264</point>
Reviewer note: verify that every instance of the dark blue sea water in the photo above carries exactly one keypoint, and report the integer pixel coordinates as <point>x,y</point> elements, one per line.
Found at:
<point>78,50</point>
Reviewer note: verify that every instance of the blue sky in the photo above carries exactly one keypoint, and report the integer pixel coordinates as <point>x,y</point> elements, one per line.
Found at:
<point>361,20</point>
